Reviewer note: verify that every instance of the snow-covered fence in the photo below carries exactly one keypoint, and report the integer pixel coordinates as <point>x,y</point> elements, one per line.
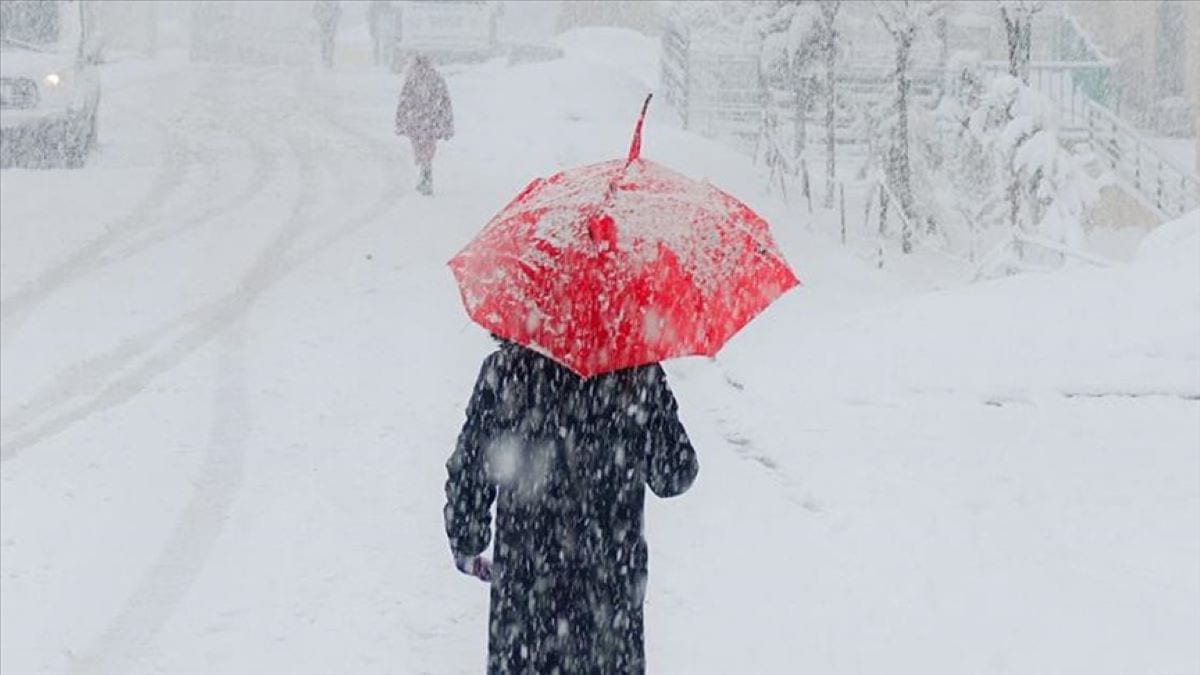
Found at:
<point>1071,85</point>
<point>714,83</point>
<point>859,84</point>
<point>1170,189</point>
<point>1078,81</point>
<point>1080,91</point>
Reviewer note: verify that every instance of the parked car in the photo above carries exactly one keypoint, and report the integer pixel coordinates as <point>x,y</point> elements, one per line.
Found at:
<point>49,83</point>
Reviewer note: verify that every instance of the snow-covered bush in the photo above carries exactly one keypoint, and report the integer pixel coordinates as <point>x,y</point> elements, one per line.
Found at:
<point>800,51</point>
<point>958,170</point>
<point>992,174</point>
<point>1048,188</point>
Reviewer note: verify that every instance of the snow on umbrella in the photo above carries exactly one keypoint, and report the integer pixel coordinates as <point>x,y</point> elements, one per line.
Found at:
<point>619,264</point>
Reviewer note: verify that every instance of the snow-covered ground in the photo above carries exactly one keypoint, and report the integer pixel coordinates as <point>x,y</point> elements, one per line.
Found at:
<point>234,364</point>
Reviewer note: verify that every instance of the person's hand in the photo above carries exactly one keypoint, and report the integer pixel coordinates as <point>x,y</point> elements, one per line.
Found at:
<point>474,565</point>
<point>483,569</point>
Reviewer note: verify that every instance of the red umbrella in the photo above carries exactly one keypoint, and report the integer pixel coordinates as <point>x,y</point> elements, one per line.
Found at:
<point>619,264</point>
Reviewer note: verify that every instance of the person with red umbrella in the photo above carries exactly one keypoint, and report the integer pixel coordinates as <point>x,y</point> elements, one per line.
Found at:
<point>588,279</point>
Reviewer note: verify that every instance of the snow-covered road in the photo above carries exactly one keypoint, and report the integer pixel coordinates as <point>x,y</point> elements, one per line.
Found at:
<point>234,364</point>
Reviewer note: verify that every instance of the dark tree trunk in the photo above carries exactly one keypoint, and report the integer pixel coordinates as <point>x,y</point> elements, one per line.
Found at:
<point>800,137</point>
<point>829,11</point>
<point>1012,37</point>
<point>1018,33</point>
<point>900,164</point>
<point>830,139</point>
<point>883,212</point>
<point>1026,47</point>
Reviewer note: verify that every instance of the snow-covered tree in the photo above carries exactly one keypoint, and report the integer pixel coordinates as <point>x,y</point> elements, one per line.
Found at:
<point>989,144</point>
<point>1017,16</point>
<point>827,37</point>
<point>903,19</point>
<point>965,175</point>
<point>800,47</point>
<point>785,29</point>
<point>1000,147</point>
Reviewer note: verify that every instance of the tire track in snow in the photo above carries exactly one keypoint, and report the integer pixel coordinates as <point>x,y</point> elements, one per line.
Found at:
<point>264,168</point>
<point>107,249</point>
<point>89,374</point>
<point>198,328</point>
<point>159,594</point>
<point>195,532</point>
<point>384,203</point>
<point>199,325</point>
<point>16,306</point>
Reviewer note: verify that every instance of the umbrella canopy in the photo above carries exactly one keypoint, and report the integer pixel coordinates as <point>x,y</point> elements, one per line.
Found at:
<point>619,264</point>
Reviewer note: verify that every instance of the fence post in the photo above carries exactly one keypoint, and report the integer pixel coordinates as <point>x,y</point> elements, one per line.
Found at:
<point>882,221</point>
<point>1091,130</point>
<point>1159,187</point>
<point>867,211</point>
<point>1116,148</point>
<point>883,210</point>
<point>807,189</point>
<point>842,190</point>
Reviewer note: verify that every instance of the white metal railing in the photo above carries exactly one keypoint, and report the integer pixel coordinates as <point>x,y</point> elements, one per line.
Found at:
<point>1060,82</point>
<point>1170,189</point>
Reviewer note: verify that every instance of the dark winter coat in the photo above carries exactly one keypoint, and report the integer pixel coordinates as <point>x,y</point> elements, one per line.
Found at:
<point>424,110</point>
<point>567,459</point>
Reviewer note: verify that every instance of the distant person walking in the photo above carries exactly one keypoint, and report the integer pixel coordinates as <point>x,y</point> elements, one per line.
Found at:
<point>379,22</point>
<point>424,114</point>
<point>326,13</point>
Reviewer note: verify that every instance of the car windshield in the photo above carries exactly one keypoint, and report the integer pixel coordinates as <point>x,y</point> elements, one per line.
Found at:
<point>29,24</point>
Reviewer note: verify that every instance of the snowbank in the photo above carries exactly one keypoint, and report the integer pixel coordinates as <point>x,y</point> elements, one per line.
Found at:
<point>1132,329</point>
<point>997,478</point>
<point>1178,238</point>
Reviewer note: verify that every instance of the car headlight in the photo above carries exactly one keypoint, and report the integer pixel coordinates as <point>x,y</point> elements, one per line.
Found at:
<point>53,79</point>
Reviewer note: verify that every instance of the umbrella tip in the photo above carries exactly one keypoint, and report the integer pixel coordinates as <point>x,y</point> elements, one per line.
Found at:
<point>635,148</point>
